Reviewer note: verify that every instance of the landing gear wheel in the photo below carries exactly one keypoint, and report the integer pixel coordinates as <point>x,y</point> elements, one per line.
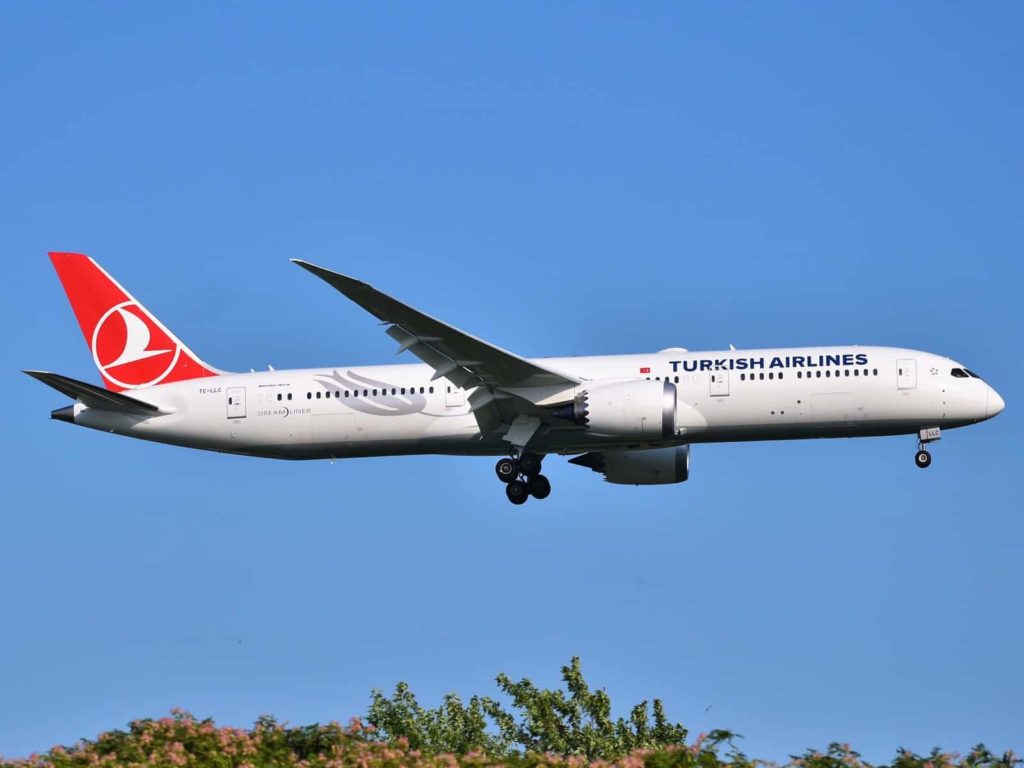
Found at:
<point>923,458</point>
<point>529,464</point>
<point>539,487</point>
<point>507,470</point>
<point>516,492</point>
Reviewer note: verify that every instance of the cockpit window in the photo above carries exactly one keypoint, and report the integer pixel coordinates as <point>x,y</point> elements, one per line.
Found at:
<point>964,373</point>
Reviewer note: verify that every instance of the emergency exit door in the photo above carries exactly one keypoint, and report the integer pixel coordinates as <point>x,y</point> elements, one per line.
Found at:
<point>236,402</point>
<point>719,383</point>
<point>906,374</point>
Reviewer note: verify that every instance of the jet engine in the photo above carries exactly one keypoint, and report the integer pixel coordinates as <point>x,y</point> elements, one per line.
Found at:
<point>647,466</point>
<point>629,409</point>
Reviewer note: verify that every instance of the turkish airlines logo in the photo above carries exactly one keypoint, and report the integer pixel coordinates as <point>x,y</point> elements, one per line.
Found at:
<point>130,349</point>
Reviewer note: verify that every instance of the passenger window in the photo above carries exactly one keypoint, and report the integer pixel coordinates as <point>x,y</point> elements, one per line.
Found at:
<point>309,395</point>
<point>876,371</point>
<point>677,379</point>
<point>856,371</point>
<point>771,375</point>
<point>403,390</point>
<point>761,377</point>
<point>780,374</point>
<point>743,377</point>
<point>817,374</point>
<point>375,393</point>
<point>431,390</point>
<point>289,395</point>
<point>828,374</point>
<point>847,372</point>
<point>346,393</point>
<point>278,395</point>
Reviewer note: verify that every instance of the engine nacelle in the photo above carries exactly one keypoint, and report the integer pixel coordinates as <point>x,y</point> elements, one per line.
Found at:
<point>647,466</point>
<point>629,409</point>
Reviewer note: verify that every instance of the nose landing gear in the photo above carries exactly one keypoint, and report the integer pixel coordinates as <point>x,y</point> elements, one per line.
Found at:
<point>522,477</point>
<point>922,458</point>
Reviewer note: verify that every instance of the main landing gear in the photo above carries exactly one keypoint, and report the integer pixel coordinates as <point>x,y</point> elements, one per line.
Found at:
<point>522,477</point>
<point>922,458</point>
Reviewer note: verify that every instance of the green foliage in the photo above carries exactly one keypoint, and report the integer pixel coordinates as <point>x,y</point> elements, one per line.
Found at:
<point>549,721</point>
<point>842,756</point>
<point>451,727</point>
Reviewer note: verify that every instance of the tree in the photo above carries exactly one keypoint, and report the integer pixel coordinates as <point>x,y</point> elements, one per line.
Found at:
<point>577,721</point>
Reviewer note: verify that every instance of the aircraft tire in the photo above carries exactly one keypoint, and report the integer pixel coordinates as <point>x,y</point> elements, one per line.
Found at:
<point>516,492</point>
<point>923,459</point>
<point>529,464</point>
<point>539,487</point>
<point>507,470</point>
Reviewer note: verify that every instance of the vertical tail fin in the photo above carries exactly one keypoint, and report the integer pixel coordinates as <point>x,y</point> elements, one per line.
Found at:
<point>130,347</point>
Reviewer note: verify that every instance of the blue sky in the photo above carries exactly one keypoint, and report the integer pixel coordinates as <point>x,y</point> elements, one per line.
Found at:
<point>558,179</point>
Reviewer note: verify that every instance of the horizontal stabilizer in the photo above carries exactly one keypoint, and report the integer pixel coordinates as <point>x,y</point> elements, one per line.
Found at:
<point>93,396</point>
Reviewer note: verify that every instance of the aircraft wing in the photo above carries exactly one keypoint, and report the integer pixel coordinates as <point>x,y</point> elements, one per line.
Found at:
<point>461,358</point>
<point>93,396</point>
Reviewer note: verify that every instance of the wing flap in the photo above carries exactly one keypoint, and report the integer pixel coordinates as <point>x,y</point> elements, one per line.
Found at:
<point>93,396</point>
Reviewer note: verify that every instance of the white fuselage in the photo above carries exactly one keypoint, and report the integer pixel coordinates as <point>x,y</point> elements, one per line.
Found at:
<point>734,395</point>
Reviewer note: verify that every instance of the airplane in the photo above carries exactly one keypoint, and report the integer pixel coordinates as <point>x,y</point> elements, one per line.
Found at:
<point>631,418</point>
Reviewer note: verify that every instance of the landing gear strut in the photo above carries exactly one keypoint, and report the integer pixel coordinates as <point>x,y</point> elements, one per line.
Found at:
<point>922,458</point>
<point>522,477</point>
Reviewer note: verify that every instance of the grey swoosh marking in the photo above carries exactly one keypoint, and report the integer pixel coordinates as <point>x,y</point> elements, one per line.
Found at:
<point>382,405</point>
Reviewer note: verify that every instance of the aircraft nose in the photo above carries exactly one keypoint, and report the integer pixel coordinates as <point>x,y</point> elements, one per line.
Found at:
<point>995,404</point>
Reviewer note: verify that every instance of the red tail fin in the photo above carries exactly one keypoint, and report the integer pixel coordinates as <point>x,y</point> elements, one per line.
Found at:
<point>130,347</point>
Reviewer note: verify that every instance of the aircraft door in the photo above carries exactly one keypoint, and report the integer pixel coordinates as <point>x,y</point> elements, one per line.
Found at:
<point>906,374</point>
<point>236,402</point>
<point>454,397</point>
<point>719,383</point>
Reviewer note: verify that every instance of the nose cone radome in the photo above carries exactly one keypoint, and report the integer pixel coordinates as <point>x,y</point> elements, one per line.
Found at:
<point>995,404</point>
